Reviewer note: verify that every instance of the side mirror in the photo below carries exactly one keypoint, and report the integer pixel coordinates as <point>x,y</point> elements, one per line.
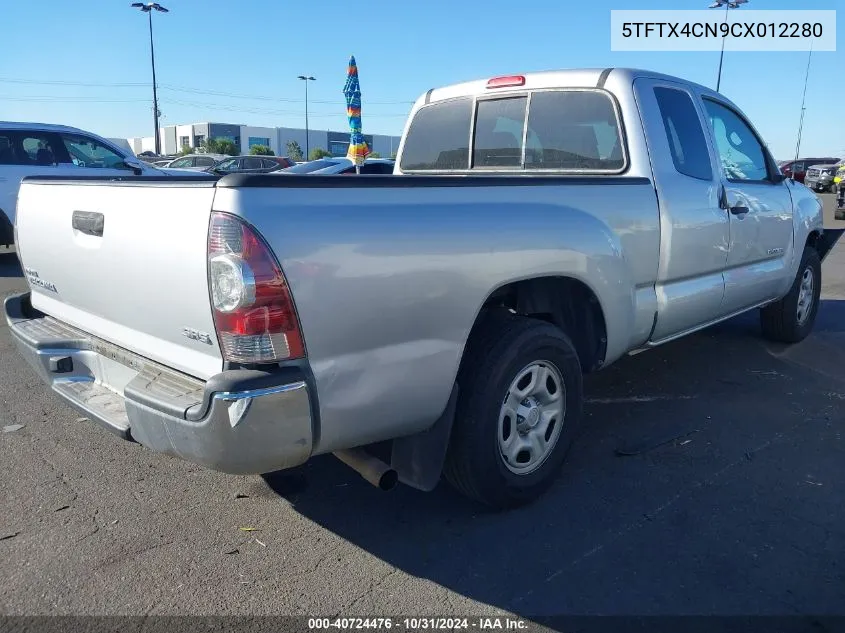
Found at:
<point>134,166</point>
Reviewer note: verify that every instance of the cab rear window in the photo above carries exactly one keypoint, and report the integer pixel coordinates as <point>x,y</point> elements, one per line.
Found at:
<point>556,130</point>
<point>438,138</point>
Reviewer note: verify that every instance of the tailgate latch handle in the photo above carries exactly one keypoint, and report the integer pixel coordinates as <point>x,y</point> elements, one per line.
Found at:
<point>89,222</point>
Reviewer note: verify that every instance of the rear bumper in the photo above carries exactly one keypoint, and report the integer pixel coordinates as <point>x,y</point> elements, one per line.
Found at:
<point>240,422</point>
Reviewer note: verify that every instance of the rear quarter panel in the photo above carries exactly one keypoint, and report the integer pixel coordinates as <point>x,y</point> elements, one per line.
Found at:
<point>389,280</point>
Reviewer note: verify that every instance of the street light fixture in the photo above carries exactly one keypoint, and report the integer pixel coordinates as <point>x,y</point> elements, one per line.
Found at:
<point>728,4</point>
<point>306,79</point>
<point>148,8</point>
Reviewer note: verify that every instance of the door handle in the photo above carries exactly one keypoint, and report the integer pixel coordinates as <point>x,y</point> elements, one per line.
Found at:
<point>89,222</point>
<point>724,204</point>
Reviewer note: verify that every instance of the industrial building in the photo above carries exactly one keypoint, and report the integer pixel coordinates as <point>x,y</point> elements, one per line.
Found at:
<point>175,137</point>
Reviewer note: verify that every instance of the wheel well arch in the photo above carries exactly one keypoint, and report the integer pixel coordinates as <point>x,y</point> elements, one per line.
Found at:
<point>813,239</point>
<point>562,301</point>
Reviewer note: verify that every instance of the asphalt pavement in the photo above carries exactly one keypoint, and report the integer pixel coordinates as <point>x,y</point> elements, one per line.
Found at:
<point>729,502</point>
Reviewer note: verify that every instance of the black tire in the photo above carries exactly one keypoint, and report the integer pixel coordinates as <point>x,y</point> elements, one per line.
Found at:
<point>780,320</point>
<point>497,351</point>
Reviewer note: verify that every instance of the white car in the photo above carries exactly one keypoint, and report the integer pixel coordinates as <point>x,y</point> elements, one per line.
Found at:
<point>30,149</point>
<point>344,166</point>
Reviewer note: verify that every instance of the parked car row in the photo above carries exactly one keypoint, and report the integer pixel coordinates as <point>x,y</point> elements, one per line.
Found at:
<point>251,164</point>
<point>815,173</point>
<point>197,162</point>
<point>221,164</point>
<point>342,166</point>
<point>29,149</point>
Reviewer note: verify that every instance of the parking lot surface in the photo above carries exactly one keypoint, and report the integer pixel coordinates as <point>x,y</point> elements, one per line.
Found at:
<point>728,500</point>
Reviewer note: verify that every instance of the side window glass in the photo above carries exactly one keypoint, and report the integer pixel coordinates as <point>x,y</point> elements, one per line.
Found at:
<point>252,163</point>
<point>87,152</point>
<point>741,154</point>
<point>32,148</point>
<point>498,132</point>
<point>181,162</point>
<point>684,133</point>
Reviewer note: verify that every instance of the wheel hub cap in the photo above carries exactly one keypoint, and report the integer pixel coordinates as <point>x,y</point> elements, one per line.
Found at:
<point>805,296</point>
<point>528,415</point>
<point>531,417</point>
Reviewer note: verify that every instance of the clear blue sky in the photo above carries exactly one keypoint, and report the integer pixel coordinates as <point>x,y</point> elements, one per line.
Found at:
<point>256,48</point>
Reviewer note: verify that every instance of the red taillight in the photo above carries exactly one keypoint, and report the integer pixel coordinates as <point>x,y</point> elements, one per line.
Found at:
<point>254,313</point>
<point>505,82</point>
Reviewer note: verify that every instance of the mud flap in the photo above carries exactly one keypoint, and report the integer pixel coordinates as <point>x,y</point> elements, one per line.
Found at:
<point>827,241</point>
<point>418,459</point>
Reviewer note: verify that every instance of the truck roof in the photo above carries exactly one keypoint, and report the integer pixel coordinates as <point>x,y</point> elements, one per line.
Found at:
<point>564,78</point>
<point>46,127</point>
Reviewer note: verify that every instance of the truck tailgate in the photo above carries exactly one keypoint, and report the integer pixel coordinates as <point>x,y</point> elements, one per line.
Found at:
<point>125,262</point>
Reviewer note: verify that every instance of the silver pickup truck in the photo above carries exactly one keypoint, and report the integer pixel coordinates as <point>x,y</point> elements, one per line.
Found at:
<point>434,321</point>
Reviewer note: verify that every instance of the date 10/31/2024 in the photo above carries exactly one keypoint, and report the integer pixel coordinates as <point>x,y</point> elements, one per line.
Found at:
<point>420,624</point>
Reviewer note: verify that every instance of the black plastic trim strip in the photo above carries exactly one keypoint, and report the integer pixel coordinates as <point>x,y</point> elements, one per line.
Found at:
<point>603,77</point>
<point>127,181</point>
<point>365,181</point>
<point>239,380</point>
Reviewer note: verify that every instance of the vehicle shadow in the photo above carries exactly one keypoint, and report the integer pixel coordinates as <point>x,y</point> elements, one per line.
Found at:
<point>9,264</point>
<point>647,517</point>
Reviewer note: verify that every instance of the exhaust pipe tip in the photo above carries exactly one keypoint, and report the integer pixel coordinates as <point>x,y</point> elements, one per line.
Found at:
<point>388,480</point>
<point>370,468</point>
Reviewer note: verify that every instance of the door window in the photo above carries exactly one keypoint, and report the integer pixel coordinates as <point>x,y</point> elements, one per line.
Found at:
<point>252,163</point>
<point>230,164</point>
<point>203,161</point>
<point>742,155</point>
<point>182,163</point>
<point>7,152</point>
<point>684,133</point>
<point>87,152</point>
<point>30,148</point>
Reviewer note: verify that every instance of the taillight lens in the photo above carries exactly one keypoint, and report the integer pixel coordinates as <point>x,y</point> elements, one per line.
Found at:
<point>254,313</point>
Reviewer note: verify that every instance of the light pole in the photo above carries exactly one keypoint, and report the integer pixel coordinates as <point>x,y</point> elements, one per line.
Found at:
<point>728,4</point>
<point>803,101</point>
<point>306,79</point>
<point>148,8</point>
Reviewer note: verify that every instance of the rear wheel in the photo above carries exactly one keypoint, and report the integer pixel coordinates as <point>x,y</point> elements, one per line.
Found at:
<point>791,319</point>
<point>518,411</point>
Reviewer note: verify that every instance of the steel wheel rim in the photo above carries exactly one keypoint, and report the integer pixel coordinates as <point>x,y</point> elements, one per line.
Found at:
<point>805,295</point>
<point>531,417</point>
